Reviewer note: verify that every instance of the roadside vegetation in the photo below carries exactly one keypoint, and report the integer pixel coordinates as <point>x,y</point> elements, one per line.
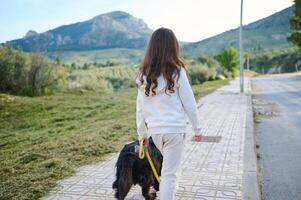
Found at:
<point>276,61</point>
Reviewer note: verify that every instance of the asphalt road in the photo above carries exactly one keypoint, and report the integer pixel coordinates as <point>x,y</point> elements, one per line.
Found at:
<point>279,136</point>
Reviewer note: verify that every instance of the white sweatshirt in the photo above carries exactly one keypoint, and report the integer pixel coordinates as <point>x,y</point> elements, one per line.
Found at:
<point>164,113</point>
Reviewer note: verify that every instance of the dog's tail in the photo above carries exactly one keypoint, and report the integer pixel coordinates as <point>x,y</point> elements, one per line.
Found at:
<point>124,176</point>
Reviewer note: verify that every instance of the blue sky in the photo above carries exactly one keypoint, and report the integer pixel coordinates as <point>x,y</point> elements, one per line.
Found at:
<point>191,20</point>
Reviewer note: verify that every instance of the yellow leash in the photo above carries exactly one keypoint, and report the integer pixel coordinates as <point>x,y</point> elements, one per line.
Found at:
<point>141,156</point>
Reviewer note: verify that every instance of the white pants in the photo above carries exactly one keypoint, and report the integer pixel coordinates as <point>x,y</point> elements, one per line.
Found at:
<point>171,146</point>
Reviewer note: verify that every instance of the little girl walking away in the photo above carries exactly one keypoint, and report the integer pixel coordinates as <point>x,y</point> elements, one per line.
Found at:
<point>164,97</point>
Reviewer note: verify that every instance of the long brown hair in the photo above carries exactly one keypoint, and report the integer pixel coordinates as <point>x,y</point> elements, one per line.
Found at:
<point>162,57</point>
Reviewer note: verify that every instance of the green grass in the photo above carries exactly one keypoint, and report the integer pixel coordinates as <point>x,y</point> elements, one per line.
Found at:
<point>44,139</point>
<point>208,87</point>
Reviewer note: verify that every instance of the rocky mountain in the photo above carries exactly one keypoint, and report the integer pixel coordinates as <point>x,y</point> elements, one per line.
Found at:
<point>111,30</point>
<point>30,33</point>
<point>267,33</point>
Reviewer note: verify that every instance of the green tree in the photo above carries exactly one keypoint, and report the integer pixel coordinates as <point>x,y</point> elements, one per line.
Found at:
<point>73,65</point>
<point>28,74</point>
<point>58,60</point>
<point>295,22</point>
<point>12,69</point>
<point>229,60</point>
<point>86,66</point>
<point>38,76</point>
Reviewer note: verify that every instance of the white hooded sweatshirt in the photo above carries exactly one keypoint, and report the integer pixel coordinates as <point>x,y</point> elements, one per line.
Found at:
<point>165,113</point>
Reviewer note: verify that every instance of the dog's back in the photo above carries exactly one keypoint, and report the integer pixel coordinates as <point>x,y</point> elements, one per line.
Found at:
<point>131,170</point>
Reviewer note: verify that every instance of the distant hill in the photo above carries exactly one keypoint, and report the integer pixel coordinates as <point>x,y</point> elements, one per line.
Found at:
<point>267,33</point>
<point>111,30</point>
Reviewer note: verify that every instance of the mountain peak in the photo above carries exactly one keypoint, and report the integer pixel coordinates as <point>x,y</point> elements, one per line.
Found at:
<point>118,14</point>
<point>115,29</point>
<point>30,33</point>
<point>115,15</point>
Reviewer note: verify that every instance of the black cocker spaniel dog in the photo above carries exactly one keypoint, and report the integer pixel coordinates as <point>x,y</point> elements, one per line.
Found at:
<point>132,170</point>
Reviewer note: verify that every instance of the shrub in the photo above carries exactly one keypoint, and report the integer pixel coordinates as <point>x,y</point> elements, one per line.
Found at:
<point>28,74</point>
<point>201,73</point>
<point>205,68</point>
<point>209,61</point>
<point>102,79</point>
<point>84,81</point>
<point>12,70</point>
<point>40,76</point>
<point>119,83</point>
<point>276,61</point>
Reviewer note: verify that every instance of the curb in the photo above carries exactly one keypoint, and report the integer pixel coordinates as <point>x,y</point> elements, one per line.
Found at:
<point>250,179</point>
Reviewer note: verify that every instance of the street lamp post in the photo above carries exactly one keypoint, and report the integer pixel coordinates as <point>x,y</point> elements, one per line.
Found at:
<point>241,50</point>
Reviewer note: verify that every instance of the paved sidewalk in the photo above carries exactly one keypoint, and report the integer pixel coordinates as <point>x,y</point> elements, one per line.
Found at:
<point>210,170</point>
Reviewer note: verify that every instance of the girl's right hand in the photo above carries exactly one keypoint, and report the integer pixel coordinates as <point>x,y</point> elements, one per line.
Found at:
<point>146,142</point>
<point>197,138</point>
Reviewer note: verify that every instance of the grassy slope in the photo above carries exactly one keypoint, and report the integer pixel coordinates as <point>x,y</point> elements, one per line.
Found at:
<point>44,139</point>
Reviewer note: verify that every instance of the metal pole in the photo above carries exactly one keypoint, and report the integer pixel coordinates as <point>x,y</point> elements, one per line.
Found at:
<point>248,63</point>
<point>241,50</point>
